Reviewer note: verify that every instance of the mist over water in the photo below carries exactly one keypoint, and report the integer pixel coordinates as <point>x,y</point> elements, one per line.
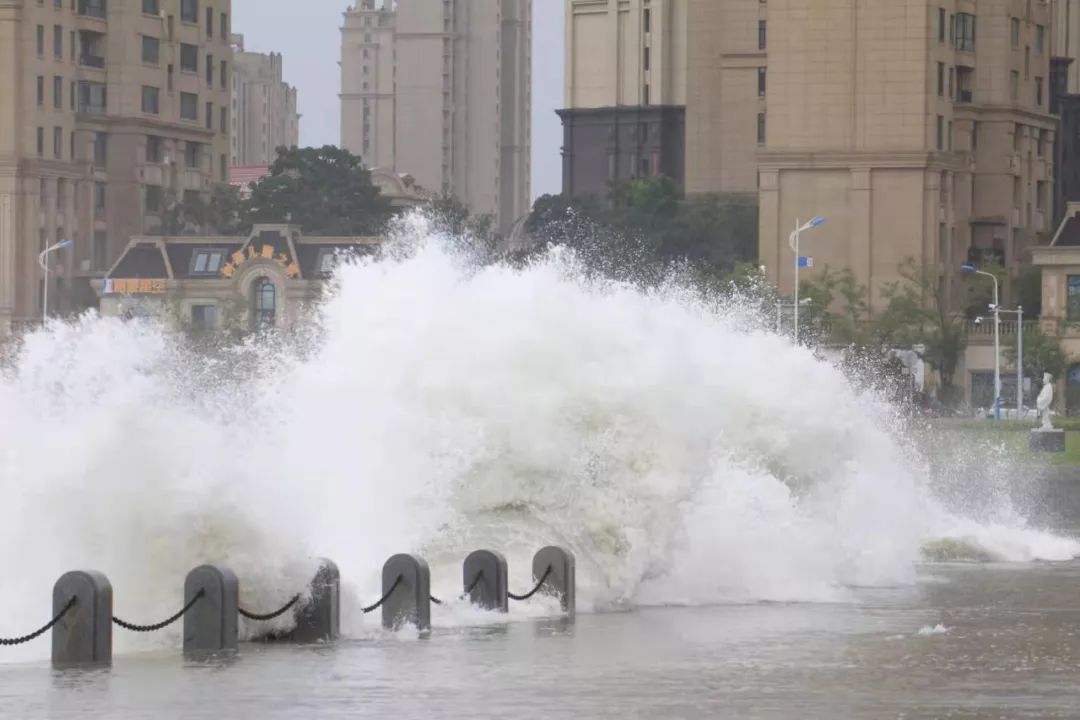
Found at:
<point>683,455</point>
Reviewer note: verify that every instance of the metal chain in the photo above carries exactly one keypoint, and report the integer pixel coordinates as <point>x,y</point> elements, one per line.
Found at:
<point>270,615</point>
<point>376,606</point>
<point>164,623</point>
<point>532,592</point>
<point>38,633</point>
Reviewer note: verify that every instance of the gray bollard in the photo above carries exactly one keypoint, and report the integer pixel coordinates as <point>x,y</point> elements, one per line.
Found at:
<point>320,619</point>
<point>410,600</point>
<point>212,623</point>
<point>484,578</point>
<point>84,635</point>
<point>561,579</point>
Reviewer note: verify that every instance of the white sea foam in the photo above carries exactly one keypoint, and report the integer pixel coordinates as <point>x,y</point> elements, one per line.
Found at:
<point>682,455</point>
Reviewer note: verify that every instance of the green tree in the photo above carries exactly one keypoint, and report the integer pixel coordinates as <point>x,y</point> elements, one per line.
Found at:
<point>219,213</point>
<point>449,216</point>
<point>1042,354</point>
<point>325,190</point>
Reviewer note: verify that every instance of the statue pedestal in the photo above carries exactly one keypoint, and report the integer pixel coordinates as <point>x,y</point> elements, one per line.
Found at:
<point>1047,440</point>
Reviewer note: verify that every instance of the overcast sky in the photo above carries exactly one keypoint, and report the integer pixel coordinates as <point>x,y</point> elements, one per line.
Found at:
<point>307,33</point>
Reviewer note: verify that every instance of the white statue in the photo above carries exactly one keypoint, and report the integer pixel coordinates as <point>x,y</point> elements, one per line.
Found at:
<point>1045,399</point>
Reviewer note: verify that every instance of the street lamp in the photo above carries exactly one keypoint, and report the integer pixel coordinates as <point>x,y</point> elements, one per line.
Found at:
<point>969,268</point>
<point>43,261</point>
<point>793,241</point>
<point>781,305</point>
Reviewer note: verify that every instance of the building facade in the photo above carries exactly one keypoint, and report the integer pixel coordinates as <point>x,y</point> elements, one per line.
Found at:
<point>111,109</point>
<point>442,91</point>
<point>264,110</point>
<point>624,114</point>
<point>266,279</point>
<point>919,128</point>
<point>727,49</point>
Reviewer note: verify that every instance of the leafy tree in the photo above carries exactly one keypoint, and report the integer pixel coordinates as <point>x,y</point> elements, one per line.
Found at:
<point>220,213</point>
<point>1042,354</point>
<point>326,190</point>
<point>475,232</point>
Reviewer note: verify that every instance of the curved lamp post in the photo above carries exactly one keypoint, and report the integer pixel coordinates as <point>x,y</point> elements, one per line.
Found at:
<point>43,261</point>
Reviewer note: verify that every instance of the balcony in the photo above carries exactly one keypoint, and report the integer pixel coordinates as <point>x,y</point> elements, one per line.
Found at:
<point>92,61</point>
<point>93,49</point>
<point>964,97</point>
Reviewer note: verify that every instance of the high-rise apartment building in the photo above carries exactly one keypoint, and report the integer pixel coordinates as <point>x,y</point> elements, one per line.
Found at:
<point>726,70</point>
<point>919,128</point>
<point>441,91</point>
<point>110,108</point>
<point>626,84</point>
<point>264,115</point>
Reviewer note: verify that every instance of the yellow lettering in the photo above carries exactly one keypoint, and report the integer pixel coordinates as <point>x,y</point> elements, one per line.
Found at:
<point>157,286</point>
<point>292,270</point>
<point>251,251</point>
<point>228,269</point>
<point>268,251</point>
<point>238,257</point>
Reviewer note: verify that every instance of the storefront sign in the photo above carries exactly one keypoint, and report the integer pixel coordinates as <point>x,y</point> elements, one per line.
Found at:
<point>134,286</point>
<point>266,252</point>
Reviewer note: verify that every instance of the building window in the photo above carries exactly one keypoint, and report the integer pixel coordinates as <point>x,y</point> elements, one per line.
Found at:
<point>101,148</point>
<point>151,7</point>
<point>1040,195</point>
<point>58,41</point>
<point>974,135</point>
<point>761,81</point>
<point>72,94</point>
<point>952,83</point>
<point>948,137</point>
<point>210,70</point>
<point>92,98</point>
<point>264,300</point>
<point>761,128</point>
<point>1014,24</point>
<point>203,317</point>
<point>966,32</point>
<point>99,199</point>
<point>58,92</point>
<point>209,116</point>
<point>41,141</point>
<point>151,50</point>
<point>189,11</point>
<point>941,79</point>
<point>150,100</point>
<point>207,261</point>
<point>1040,39</point>
<point>327,261</point>
<point>645,95</point>
<point>189,58</point>
<point>189,106</point>
<point>224,113</point>
<point>1041,147</point>
<point>153,198</point>
<point>1039,91</point>
<point>210,23</point>
<point>192,154</point>
<point>93,8</point>
<point>645,62</point>
<point>940,142</point>
<point>646,19</point>
<point>224,75</point>
<point>223,168</point>
<point>1072,310</point>
<point>224,26</point>
<point>41,90</point>
<point>153,149</point>
<point>41,40</point>
<point>762,36</point>
<point>941,25</point>
<point>98,250</point>
<point>1014,85</point>
<point>58,142</point>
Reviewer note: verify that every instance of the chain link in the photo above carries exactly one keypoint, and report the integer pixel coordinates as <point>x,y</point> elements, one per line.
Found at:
<point>164,623</point>
<point>270,615</point>
<point>532,592</point>
<point>38,633</point>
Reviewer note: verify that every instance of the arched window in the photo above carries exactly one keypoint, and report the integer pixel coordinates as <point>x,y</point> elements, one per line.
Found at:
<point>264,301</point>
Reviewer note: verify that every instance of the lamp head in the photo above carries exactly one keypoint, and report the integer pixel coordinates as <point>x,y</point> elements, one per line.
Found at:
<point>967,267</point>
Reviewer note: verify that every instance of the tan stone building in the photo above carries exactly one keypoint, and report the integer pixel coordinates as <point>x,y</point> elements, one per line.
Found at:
<point>625,92</point>
<point>727,45</point>
<point>266,279</point>
<point>919,128</point>
<point>109,108</point>
<point>264,111</point>
<point>442,91</point>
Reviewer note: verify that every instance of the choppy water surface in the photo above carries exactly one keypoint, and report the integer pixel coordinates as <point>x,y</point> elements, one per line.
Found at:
<point>965,642</point>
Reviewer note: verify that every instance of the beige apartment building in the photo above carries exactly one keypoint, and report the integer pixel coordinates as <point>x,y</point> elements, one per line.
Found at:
<point>264,111</point>
<point>919,128</point>
<point>727,44</point>
<point>111,108</point>
<point>441,91</point>
<point>624,113</point>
